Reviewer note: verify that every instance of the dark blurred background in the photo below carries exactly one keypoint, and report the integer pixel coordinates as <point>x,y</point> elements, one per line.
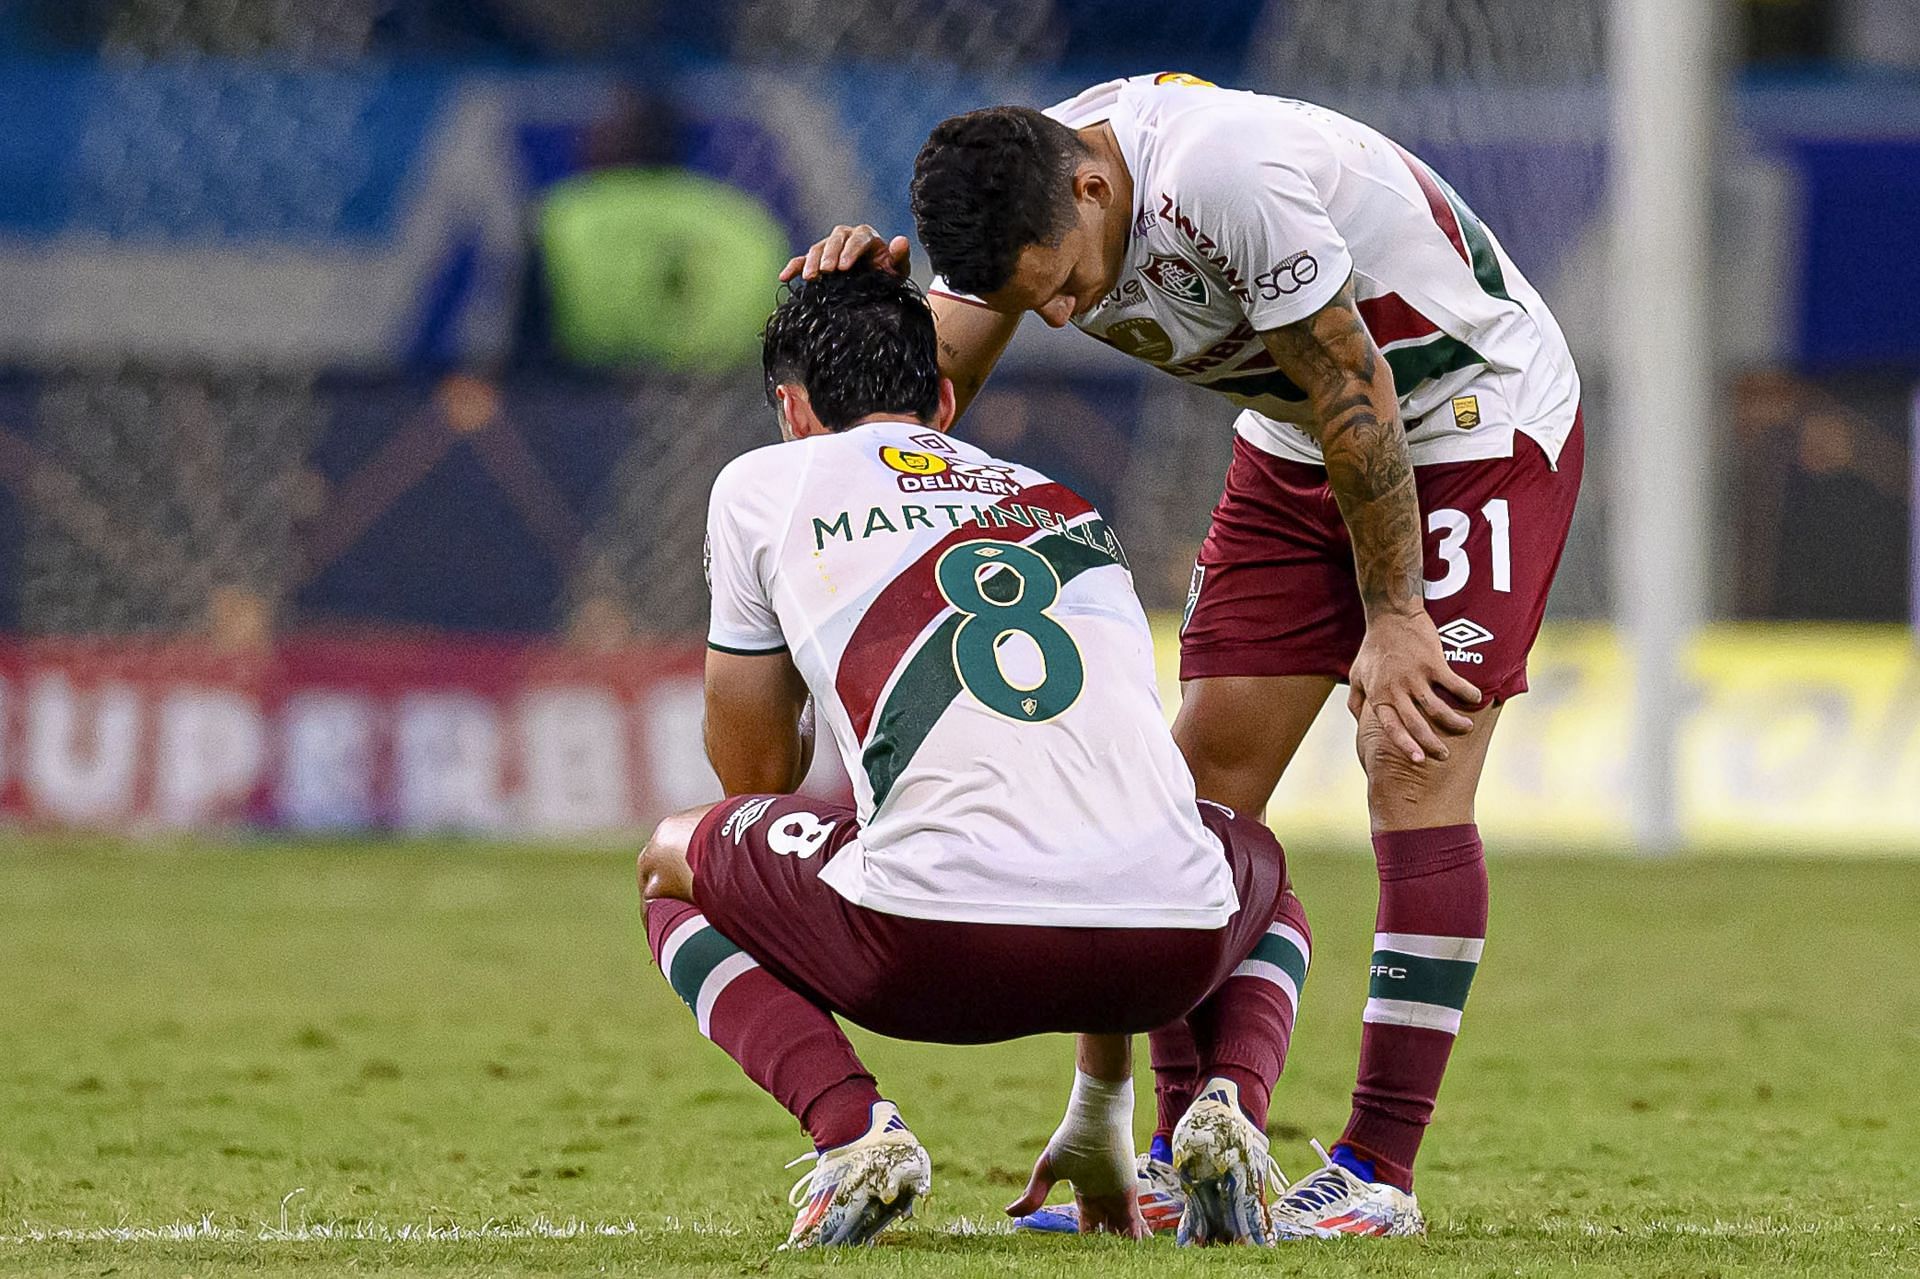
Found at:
<point>410,325</point>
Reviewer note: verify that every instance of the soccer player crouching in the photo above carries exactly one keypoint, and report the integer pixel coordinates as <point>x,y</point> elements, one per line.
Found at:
<point>1026,854</point>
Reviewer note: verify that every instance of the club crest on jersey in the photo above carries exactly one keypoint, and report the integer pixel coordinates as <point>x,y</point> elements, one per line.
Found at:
<point>1209,249</point>
<point>1176,277</point>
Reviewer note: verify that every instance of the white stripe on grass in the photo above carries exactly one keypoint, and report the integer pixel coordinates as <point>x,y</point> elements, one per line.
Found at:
<point>206,1230</point>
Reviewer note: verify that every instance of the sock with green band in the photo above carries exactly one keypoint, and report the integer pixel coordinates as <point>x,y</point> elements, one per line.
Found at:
<point>1429,931</point>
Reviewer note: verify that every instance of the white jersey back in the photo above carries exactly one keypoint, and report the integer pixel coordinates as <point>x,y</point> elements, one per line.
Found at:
<point>1251,211</point>
<point>970,634</point>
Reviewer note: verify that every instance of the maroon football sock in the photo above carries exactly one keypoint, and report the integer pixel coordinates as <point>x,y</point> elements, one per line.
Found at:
<point>1175,1063</point>
<point>1243,1028</point>
<point>1430,928</point>
<point>786,1043</point>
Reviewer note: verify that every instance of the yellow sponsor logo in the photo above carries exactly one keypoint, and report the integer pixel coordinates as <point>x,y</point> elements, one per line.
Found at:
<point>1466,411</point>
<point>908,462</point>
<point>1181,77</point>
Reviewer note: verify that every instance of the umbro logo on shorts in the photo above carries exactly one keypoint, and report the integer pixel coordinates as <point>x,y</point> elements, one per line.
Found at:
<point>741,819</point>
<point>1462,634</point>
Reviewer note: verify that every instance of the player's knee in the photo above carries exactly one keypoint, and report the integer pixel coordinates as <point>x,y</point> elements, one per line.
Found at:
<point>1396,786</point>
<point>1403,795</point>
<point>663,868</point>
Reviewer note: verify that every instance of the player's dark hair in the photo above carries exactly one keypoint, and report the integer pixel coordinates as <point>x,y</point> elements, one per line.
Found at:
<point>860,341</point>
<point>987,185</point>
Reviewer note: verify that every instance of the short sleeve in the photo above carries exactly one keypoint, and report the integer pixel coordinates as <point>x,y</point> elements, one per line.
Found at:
<point>939,288</point>
<point>740,547</point>
<point>1267,214</point>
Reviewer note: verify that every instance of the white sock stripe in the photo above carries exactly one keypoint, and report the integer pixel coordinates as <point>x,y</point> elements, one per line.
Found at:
<point>1466,949</point>
<point>1402,1012</point>
<point>1274,973</point>
<point>1293,937</point>
<point>718,980</point>
<point>681,933</point>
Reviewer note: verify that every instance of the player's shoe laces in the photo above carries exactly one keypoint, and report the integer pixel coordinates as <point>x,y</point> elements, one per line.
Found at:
<point>1223,1166</point>
<point>1337,1201</point>
<point>1161,1202</point>
<point>857,1190</point>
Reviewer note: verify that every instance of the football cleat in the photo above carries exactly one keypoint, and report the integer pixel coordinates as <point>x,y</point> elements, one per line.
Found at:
<point>1224,1169</point>
<point>1161,1202</point>
<point>1337,1201</point>
<point>857,1190</point>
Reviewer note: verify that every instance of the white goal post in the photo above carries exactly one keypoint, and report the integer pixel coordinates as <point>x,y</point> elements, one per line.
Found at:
<point>1667,82</point>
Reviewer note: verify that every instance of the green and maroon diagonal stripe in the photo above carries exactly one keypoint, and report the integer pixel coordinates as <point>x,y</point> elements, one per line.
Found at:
<point>1461,227</point>
<point>1390,318</point>
<point>930,682</point>
<point>903,608</point>
<point>1413,365</point>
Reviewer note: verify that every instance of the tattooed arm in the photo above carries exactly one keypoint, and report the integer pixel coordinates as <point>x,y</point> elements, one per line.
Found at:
<point>972,339</point>
<point>1399,674</point>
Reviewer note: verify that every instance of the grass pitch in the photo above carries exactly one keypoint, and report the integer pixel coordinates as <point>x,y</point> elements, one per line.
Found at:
<point>454,1060</point>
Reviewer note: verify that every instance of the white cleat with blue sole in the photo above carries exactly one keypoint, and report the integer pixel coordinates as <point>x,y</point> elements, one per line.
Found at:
<point>1336,1201</point>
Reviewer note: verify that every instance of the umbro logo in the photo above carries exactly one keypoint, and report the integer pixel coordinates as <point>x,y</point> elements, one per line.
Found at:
<point>1461,635</point>
<point>741,819</point>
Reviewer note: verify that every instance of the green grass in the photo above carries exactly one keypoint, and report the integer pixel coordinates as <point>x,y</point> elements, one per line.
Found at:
<point>1693,1068</point>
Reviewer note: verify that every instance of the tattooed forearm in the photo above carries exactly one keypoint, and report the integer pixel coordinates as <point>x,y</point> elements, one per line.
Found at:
<point>1357,416</point>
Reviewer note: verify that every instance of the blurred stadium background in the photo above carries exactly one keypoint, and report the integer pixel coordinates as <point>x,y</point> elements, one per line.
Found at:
<point>364,363</point>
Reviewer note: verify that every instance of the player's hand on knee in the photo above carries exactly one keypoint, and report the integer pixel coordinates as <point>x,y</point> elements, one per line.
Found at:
<point>1401,679</point>
<point>846,247</point>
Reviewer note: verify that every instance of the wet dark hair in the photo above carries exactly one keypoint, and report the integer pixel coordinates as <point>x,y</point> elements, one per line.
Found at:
<point>860,341</point>
<point>987,185</point>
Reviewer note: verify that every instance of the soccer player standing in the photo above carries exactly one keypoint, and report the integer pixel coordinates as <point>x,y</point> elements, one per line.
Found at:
<point>1404,473</point>
<point>1026,853</point>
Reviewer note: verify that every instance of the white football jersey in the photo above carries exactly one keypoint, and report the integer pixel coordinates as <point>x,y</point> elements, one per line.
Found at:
<point>1251,211</point>
<point>970,634</point>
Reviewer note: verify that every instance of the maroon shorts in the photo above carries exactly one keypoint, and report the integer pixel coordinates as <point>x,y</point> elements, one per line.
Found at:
<point>1274,591</point>
<point>960,983</point>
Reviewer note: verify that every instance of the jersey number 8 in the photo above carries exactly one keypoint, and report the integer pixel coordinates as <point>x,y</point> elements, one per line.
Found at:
<point>1003,589</point>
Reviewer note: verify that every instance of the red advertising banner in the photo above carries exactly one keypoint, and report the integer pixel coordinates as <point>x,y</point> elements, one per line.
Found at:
<point>324,734</point>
